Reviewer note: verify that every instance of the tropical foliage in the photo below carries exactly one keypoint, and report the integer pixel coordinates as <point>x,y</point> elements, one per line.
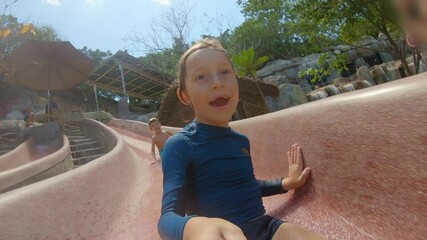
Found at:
<point>245,63</point>
<point>328,63</point>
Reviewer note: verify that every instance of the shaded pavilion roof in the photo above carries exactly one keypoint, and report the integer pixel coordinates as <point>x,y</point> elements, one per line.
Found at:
<point>141,80</point>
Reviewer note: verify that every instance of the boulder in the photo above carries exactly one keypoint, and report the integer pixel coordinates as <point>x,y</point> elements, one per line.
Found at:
<point>340,81</point>
<point>265,71</point>
<point>317,95</point>
<point>275,80</point>
<point>366,40</point>
<point>363,73</point>
<point>392,73</point>
<point>378,75</point>
<point>358,85</point>
<point>361,62</point>
<point>305,85</point>
<point>332,90</point>
<point>343,48</point>
<point>279,65</point>
<point>349,87</point>
<point>366,84</point>
<point>310,58</point>
<point>386,57</point>
<point>289,95</point>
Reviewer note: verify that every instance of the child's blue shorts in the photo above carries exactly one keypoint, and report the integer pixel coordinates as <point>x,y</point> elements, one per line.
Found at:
<point>262,228</point>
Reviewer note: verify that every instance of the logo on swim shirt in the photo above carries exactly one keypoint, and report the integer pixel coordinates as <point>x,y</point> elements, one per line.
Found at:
<point>244,151</point>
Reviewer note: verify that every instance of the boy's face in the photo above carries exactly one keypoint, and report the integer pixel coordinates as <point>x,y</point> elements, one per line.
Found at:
<point>413,14</point>
<point>212,87</point>
<point>155,126</point>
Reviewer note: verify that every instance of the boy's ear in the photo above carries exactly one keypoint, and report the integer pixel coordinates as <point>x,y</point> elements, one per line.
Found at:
<point>183,97</point>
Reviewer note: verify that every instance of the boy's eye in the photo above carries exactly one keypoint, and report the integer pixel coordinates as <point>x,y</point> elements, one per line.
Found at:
<point>225,72</point>
<point>200,77</point>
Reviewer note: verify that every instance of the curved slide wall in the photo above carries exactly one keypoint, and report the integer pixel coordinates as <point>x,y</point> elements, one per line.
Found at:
<point>368,155</point>
<point>30,162</point>
<point>99,200</point>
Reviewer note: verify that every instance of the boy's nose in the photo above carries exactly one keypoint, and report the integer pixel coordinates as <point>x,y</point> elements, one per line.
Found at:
<point>217,81</point>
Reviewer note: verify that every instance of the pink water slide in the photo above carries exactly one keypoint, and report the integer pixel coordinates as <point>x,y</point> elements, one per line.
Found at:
<point>367,151</point>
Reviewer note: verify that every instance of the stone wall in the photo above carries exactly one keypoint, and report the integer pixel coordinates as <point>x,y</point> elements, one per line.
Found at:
<point>374,66</point>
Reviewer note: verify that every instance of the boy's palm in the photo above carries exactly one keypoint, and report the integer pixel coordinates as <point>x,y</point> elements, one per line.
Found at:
<point>296,175</point>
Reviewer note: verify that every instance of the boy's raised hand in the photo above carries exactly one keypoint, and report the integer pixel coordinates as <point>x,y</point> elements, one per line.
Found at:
<point>296,175</point>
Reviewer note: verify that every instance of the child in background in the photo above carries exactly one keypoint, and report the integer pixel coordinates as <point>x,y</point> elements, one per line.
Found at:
<point>159,138</point>
<point>209,189</point>
<point>29,118</point>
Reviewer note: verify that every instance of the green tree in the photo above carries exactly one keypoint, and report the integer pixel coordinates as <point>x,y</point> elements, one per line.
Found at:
<point>97,55</point>
<point>18,32</point>
<point>13,34</point>
<point>166,60</point>
<point>348,20</point>
<point>327,63</point>
<point>245,63</point>
<point>270,29</point>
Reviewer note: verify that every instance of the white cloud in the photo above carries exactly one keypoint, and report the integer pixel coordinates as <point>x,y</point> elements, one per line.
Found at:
<point>52,2</point>
<point>163,2</point>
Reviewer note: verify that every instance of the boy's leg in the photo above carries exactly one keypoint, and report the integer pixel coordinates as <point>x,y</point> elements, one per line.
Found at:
<point>289,231</point>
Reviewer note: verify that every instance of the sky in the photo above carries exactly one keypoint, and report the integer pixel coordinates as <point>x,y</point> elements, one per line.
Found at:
<point>105,24</point>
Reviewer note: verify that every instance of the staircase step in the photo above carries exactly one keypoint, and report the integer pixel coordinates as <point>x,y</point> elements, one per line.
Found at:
<point>74,141</point>
<point>76,137</point>
<point>84,160</point>
<point>85,147</point>
<point>73,132</point>
<point>73,129</point>
<point>87,154</point>
<point>82,144</point>
<point>87,150</point>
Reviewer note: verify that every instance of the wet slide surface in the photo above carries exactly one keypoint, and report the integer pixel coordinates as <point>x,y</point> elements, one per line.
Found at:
<point>151,202</point>
<point>367,150</point>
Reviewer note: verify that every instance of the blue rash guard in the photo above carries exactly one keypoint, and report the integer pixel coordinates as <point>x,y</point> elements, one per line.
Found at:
<point>208,172</point>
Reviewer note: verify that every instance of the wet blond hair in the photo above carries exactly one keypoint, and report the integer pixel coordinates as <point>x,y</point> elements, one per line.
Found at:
<point>209,43</point>
<point>152,120</point>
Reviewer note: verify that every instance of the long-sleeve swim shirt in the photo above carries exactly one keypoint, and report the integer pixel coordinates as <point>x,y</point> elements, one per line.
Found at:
<point>208,172</point>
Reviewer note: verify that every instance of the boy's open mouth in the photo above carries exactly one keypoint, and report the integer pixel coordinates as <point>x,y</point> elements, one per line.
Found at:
<point>219,101</point>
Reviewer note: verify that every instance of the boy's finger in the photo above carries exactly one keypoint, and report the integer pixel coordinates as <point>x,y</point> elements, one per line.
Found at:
<point>294,157</point>
<point>289,158</point>
<point>299,157</point>
<point>304,175</point>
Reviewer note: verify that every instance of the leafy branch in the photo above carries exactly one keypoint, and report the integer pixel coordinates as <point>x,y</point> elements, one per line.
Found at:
<point>327,63</point>
<point>245,63</point>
